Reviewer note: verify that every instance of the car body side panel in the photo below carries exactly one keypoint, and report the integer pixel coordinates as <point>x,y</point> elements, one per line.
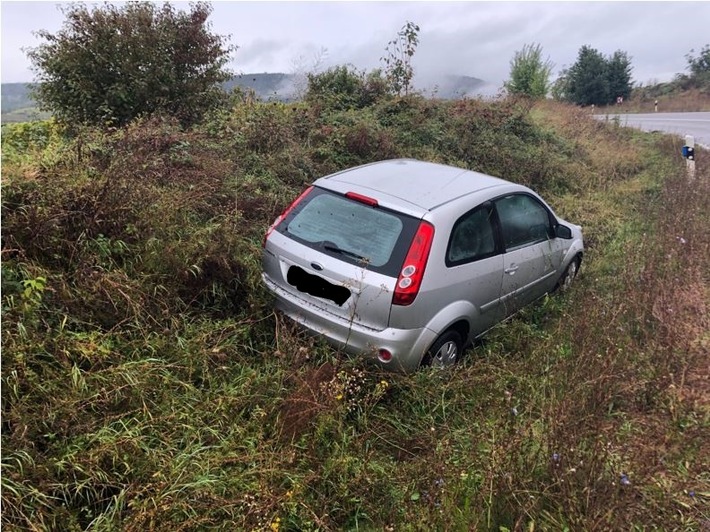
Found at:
<point>479,290</point>
<point>573,247</point>
<point>529,273</point>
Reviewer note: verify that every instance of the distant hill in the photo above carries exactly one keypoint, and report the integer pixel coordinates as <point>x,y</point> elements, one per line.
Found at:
<point>454,87</point>
<point>17,105</point>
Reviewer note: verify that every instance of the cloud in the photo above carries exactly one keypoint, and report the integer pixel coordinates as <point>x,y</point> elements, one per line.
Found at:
<point>466,38</point>
<point>260,55</point>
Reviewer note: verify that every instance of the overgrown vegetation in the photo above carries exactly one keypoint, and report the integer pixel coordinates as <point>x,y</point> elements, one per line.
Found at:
<point>147,383</point>
<point>111,64</point>
<point>398,60</point>
<point>529,74</point>
<point>685,93</point>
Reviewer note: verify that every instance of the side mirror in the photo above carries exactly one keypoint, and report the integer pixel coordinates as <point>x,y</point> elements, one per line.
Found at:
<point>563,231</point>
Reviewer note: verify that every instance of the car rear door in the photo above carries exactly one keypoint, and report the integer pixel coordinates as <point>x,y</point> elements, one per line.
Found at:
<point>341,256</point>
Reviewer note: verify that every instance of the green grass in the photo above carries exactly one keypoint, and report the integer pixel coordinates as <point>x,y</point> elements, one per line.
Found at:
<point>148,384</point>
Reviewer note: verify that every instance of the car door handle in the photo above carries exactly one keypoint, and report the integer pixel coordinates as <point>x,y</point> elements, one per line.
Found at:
<point>512,269</point>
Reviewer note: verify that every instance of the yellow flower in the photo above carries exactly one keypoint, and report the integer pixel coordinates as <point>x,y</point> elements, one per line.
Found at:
<point>339,397</point>
<point>276,524</point>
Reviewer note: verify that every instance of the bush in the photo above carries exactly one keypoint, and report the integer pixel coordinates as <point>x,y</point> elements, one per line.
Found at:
<point>110,64</point>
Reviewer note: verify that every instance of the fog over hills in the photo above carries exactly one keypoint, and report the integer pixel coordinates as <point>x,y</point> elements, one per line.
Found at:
<point>275,86</point>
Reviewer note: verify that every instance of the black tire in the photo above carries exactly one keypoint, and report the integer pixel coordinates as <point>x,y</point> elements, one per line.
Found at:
<point>565,282</point>
<point>445,352</point>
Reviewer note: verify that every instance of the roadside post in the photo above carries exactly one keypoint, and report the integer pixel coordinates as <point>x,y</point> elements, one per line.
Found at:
<point>688,152</point>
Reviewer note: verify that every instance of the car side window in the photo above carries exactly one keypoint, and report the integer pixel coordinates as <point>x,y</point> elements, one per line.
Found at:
<point>472,237</point>
<point>523,220</point>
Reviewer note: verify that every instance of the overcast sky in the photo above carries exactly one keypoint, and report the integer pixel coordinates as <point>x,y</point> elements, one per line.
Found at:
<point>464,38</point>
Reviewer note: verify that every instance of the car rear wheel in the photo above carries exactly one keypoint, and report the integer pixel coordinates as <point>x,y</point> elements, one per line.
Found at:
<point>445,352</point>
<point>569,276</point>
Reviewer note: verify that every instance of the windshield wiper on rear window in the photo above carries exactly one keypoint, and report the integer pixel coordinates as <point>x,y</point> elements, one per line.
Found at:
<point>334,247</point>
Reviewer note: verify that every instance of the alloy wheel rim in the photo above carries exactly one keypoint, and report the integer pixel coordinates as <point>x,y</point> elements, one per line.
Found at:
<point>447,354</point>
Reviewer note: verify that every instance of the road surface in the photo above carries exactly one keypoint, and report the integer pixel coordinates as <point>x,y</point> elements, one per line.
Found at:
<point>696,124</point>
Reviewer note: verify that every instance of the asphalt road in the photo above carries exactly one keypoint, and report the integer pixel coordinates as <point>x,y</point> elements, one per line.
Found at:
<point>696,124</point>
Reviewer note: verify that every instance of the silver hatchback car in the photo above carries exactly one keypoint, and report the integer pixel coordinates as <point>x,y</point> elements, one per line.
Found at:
<point>406,262</point>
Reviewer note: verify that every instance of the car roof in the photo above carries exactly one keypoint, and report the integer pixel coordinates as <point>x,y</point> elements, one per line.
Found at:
<point>408,181</point>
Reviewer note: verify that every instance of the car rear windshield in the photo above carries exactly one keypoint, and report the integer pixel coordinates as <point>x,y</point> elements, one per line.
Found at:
<point>352,231</point>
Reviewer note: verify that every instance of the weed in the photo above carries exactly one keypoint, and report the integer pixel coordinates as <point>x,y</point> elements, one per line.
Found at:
<point>148,384</point>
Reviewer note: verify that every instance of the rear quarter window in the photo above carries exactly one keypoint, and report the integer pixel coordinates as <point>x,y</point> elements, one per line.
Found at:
<point>472,237</point>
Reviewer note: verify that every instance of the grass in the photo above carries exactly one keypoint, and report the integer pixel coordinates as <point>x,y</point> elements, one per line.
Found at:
<point>148,384</point>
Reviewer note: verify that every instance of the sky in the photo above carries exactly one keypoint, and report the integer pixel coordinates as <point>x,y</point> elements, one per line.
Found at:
<point>460,38</point>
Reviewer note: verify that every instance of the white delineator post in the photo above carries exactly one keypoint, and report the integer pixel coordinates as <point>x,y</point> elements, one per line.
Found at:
<point>690,161</point>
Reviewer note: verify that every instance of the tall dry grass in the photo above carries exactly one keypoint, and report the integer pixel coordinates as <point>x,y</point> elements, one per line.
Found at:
<point>148,385</point>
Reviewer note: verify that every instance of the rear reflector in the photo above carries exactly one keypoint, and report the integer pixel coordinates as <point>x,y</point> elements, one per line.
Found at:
<point>285,213</point>
<point>372,202</point>
<point>384,355</point>
<point>410,277</point>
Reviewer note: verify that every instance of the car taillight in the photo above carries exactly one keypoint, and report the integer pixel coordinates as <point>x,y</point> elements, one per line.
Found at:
<point>285,213</point>
<point>410,278</point>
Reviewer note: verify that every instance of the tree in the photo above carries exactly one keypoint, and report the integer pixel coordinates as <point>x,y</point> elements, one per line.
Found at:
<point>398,61</point>
<point>111,64</point>
<point>596,80</point>
<point>529,74</point>
<point>560,87</point>
<point>699,67</point>
<point>301,69</point>
<point>587,82</point>
<point>619,75</point>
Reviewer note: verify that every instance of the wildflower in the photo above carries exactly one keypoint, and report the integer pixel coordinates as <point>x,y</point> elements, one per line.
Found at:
<point>625,480</point>
<point>384,384</point>
<point>514,410</point>
<point>691,493</point>
<point>276,524</point>
<point>556,458</point>
<point>339,397</point>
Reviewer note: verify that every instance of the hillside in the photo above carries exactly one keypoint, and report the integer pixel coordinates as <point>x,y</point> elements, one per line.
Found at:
<point>18,106</point>
<point>147,383</point>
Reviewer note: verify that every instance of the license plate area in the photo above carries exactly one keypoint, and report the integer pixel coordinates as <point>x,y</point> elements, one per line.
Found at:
<point>316,286</point>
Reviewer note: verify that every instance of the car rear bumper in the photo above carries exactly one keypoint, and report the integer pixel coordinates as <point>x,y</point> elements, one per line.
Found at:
<point>406,345</point>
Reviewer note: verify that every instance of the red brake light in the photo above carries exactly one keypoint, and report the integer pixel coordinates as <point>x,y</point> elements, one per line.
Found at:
<point>372,202</point>
<point>285,213</point>
<point>410,277</point>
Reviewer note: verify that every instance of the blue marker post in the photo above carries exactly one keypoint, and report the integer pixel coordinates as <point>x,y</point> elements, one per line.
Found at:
<point>688,152</point>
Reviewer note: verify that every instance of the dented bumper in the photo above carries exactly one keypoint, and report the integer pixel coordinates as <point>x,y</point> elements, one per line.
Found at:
<point>406,345</point>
